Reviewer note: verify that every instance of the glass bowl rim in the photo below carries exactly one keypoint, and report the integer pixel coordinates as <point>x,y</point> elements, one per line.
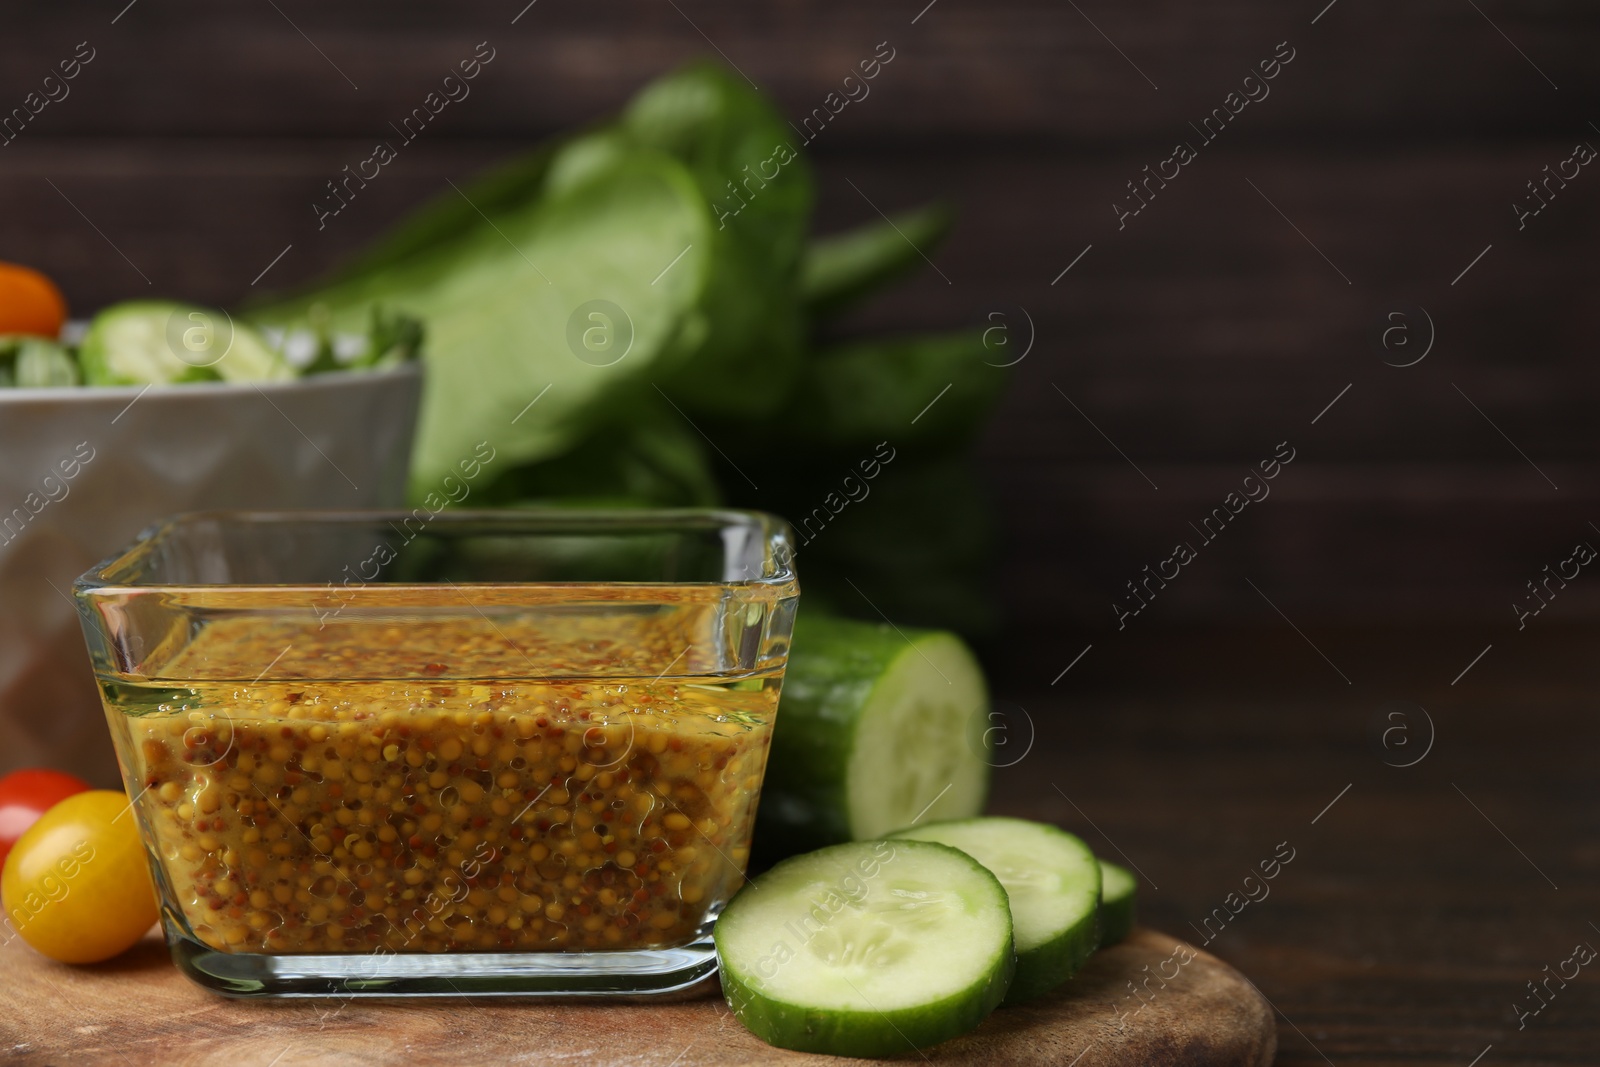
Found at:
<point>774,531</point>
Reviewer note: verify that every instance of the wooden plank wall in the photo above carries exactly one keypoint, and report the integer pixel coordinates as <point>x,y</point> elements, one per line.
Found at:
<point>1181,347</point>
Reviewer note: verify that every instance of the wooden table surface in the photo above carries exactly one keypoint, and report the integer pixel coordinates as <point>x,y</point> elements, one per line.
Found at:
<point>1421,899</point>
<point>1411,905</point>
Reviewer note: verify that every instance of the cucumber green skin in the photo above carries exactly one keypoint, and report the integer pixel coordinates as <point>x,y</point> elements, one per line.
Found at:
<point>1046,966</point>
<point>833,666</point>
<point>1043,967</point>
<point>95,360</point>
<point>1116,911</point>
<point>863,1033</point>
<point>872,1034</point>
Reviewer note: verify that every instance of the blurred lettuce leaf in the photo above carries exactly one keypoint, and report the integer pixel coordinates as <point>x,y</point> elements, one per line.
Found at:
<point>841,270</point>
<point>500,303</point>
<point>929,391</point>
<point>452,213</point>
<point>688,216</point>
<point>742,154</point>
<point>651,460</point>
<point>915,543</point>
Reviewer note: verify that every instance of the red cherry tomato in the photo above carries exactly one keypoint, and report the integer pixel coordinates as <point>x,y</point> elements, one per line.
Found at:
<point>26,795</point>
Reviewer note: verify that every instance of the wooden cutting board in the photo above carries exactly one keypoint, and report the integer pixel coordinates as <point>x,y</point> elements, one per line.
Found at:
<point>139,1010</point>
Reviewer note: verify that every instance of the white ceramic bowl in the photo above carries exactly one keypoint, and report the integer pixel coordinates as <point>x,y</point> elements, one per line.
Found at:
<point>83,470</point>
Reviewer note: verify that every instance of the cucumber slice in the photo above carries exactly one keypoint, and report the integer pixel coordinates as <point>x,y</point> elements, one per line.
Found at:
<point>35,363</point>
<point>1053,882</point>
<point>1118,888</point>
<point>871,948</point>
<point>159,342</point>
<point>875,730</point>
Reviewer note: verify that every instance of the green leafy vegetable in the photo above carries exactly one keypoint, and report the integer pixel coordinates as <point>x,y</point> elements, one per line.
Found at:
<point>653,458</point>
<point>918,549</point>
<point>931,390</point>
<point>742,155</point>
<point>498,302</point>
<point>841,270</point>
<point>452,212</point>
<point>389,340</point>
<point>626,314</point>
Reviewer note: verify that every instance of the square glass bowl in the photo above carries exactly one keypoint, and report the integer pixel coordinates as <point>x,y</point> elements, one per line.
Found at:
<point>387,754</point>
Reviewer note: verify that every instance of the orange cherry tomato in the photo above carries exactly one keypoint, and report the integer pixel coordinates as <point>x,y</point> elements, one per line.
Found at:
<point>77,884</point>
<point>29,302</point>
<point>25,795</point>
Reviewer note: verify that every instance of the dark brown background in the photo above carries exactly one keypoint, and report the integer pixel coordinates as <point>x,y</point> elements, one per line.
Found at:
<point>1196,339</point>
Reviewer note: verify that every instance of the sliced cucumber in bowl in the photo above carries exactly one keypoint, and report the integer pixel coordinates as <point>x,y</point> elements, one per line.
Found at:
<point>160,342</point>
<point>871,948</point>
<point>1052,883</point>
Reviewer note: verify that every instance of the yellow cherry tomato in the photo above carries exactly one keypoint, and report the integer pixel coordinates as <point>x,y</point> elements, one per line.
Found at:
<point>77,885</point>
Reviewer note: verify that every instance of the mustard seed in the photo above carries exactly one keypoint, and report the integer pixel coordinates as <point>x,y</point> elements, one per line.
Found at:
<point>430,814</point>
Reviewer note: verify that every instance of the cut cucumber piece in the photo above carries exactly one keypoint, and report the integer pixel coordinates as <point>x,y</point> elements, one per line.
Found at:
<point>1053,882</point>
<point>876,729</point>
<point>1118,888</point>
<point>35,363</point>
<point>871,948</point>
<point>159,342</point>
